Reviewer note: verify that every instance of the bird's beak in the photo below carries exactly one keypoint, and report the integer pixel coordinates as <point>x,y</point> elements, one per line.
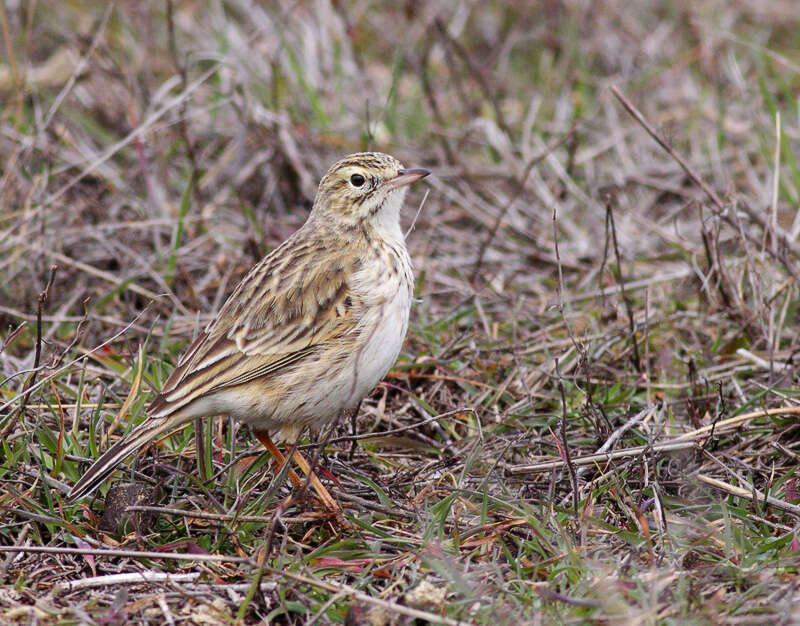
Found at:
<point>406,177</point>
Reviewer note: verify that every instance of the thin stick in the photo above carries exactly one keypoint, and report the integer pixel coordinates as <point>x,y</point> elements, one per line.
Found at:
<point>419,210</point>
<point>129,554</point>
<point>752,494</point>
<point>133,578</point>
<point>573,477</point>
<point>670,150</point>
<point>776,177</point>
<point>221,517</point>
<point>614,436</point>
<point>578,347</point>
<point>43,297</point>
<point>681,442</point>
<point>591,459</point>
<point>10,558</point>
<point>637,362</point>
<point>393,431</point>
<point>12,337</point>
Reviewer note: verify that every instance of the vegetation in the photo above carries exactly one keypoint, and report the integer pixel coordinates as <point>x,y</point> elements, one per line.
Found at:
<point>595,415</point>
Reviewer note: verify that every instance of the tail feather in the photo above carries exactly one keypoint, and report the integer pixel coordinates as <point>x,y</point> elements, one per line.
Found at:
<point>108,461</point>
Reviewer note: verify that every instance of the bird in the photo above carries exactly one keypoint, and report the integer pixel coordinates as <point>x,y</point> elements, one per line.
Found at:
<point>308,332</point>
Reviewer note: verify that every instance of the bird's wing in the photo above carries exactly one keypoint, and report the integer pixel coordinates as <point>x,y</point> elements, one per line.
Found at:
<point>285,309</point>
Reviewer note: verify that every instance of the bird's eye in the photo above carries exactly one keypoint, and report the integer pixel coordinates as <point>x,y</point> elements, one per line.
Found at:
<point>357,180</point>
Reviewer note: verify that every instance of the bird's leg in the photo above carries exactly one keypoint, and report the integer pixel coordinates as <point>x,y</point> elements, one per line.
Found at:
<point>316,484</point>
<point>266,441</point>
<point>200,448</point>
<point>323,494</point>
<point>353,413</point>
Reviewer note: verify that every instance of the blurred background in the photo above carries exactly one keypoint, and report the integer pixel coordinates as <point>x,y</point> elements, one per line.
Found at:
<point>113,112</point>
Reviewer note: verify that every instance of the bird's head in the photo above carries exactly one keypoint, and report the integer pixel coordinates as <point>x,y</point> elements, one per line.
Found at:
<point>365,187</point>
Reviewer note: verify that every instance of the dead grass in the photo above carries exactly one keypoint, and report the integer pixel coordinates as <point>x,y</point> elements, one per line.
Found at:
<point>595,416</point>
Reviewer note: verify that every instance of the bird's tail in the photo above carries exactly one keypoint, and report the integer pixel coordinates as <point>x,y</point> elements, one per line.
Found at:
<point>102,467</point>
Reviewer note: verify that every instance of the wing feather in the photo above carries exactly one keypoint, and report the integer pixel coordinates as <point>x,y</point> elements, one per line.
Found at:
<point>286,309</point>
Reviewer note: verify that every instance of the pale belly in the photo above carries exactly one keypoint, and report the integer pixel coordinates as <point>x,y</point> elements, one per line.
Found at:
<point>335,379</point>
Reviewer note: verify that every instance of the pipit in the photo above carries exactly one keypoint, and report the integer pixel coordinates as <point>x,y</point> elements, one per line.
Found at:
<point>308,332</point>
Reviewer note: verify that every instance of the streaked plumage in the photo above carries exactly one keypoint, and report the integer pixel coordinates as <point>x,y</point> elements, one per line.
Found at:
<point>310,330</point>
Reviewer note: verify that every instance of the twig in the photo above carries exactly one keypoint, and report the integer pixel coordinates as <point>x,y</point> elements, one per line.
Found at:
<point>669,149</point>
<point>776,177</point>
<point>353,431</point>
<point>43,297</point>
<point>133,578</point>
<point>219,517</point>
<point>632,285</point>
<point>16,332</point>
<point>752,494</point>
<point>578,347</point>
<point>548,595</point>
<point>567,458</point>
<point>394,431</point>
<point>419,210</point>
<point>129,554</point>
<point>10,558</point>
<point>591,459</point>
<point>681,442</point>
<point>79,330</point>
<point>633,421</point>
<point>328,604</point>
<point>370,505</point>
<point>637,362</point>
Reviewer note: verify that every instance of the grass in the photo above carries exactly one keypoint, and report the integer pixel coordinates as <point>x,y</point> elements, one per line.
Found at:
<point>578,293</point>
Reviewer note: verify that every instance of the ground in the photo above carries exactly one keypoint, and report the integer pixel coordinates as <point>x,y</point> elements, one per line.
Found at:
<point>594,417</point>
